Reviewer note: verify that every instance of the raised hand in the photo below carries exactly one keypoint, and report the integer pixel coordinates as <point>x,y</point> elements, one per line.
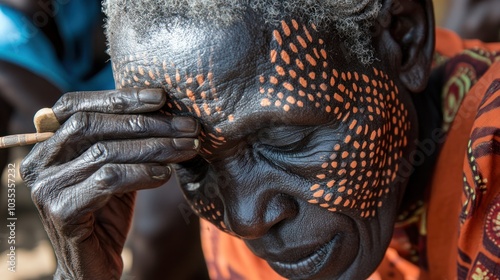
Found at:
<point>83,180</point>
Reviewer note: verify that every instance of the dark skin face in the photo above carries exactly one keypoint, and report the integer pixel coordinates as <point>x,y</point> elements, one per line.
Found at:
<point>300,149</point>
<point>300,145</point>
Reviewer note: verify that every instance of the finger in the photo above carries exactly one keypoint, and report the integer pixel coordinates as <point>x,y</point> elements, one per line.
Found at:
<point>97,126</point>
<point>122,101</point>
<point>82,130</point>
<point>153,150</point>
<point>67,206</point>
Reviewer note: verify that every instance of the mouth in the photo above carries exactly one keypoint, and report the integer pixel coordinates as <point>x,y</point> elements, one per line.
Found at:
<point>306,267</point>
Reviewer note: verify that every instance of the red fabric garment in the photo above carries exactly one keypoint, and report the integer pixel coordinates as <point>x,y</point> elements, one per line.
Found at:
<point>459,224</point>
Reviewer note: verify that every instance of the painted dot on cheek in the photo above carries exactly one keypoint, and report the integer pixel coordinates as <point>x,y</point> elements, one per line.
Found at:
<point>303,82</point>
<point>286,28</point>
<point>308,35</point>
<point>338,200</point>
<point>277,37</point>
<point>299,64</point>
<point>315,187</point>
<point>311,60</point>
<point>280,70</point>
<point>288,86</point>
<point>274,56</point>
<point>285,57</point>
<point>328,197</point>
<point>319,193</point>
<point>302,42</point>
<point>265,102</point>
<point>321,176</point>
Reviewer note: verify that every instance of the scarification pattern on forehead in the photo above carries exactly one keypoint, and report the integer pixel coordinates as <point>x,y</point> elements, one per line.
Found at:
<point>359,171</point>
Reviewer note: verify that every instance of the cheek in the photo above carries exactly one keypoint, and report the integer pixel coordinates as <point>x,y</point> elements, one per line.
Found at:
<point>358,173</point>
<point>206,203</point>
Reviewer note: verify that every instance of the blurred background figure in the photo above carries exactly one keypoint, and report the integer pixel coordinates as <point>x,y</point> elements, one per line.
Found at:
<point>474,19</point>
<point>48,47</point>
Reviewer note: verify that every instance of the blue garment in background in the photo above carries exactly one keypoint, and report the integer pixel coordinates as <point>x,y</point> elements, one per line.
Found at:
<point>23,44</point>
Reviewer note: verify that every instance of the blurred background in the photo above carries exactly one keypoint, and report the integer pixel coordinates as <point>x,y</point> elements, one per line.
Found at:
<point>34,257</point>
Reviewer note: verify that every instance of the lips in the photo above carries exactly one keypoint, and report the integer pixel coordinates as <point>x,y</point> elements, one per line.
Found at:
<point>306,267</point>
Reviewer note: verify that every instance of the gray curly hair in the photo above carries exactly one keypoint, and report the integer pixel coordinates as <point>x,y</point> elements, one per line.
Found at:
<point>352,19</point>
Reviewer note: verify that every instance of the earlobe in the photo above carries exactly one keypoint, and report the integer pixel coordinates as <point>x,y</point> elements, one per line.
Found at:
<point>412,30</point>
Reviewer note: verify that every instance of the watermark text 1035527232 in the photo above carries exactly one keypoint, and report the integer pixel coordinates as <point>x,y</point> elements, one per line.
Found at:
<point>11,217</point>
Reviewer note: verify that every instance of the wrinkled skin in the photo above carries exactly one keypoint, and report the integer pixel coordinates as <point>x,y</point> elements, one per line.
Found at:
<point>84,185</point>
<point>300,145</point>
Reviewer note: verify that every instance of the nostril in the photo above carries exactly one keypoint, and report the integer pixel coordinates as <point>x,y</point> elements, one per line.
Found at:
<point>251,219</point>
<point>281,208</point>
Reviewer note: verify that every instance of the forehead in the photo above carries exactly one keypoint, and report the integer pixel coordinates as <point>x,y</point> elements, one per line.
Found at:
<point>241,77</point>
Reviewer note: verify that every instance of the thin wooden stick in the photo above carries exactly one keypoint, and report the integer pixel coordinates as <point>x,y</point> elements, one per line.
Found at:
<point>45,123</point>
<point>23,139</point>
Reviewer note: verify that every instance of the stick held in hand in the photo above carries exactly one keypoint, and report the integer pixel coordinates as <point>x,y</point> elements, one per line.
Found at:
<point>45,123</point>
<point>23,139</point>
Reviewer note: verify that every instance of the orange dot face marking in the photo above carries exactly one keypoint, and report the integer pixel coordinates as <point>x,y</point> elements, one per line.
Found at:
<point>350,98</point>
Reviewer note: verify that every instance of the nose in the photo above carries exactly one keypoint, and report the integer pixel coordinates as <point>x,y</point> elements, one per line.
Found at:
<point>252,216</point>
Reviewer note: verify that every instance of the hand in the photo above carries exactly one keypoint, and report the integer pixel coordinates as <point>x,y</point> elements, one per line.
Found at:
<point>83,180</point>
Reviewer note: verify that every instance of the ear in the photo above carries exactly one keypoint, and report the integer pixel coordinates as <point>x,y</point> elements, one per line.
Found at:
<point>410,33</point>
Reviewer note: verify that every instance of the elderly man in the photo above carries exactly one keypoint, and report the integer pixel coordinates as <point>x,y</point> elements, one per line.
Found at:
<point>299,128</point>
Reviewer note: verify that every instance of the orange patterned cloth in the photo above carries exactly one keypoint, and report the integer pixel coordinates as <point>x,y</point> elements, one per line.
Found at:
<point>458,226</point>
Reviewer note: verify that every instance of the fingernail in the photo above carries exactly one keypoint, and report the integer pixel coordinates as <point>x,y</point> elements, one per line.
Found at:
<point>160,172</point>
<point>186,144</point>
<point>185,124</point>
<point>151,96</point>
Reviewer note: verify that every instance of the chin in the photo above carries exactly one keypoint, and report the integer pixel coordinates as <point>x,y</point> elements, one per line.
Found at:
<point>340,258</point>
<point>353,251</point>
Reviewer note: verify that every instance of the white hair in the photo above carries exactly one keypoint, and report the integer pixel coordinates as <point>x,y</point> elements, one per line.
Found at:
<point>351,19</point>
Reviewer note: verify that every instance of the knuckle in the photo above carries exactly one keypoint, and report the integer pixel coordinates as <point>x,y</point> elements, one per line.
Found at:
<point>97,153</point>
<point>116,104</point>
<point>106,178</point>
<point>26,170</point>
<point>39,194</point>
<point>32,166</point>
<point>59,215</point>
<point>138,124</point>
<point>65,103</point>
<point>78,123</point>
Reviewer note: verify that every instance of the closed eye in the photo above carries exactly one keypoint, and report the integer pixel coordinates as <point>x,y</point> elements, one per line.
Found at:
<point>285,139</point>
